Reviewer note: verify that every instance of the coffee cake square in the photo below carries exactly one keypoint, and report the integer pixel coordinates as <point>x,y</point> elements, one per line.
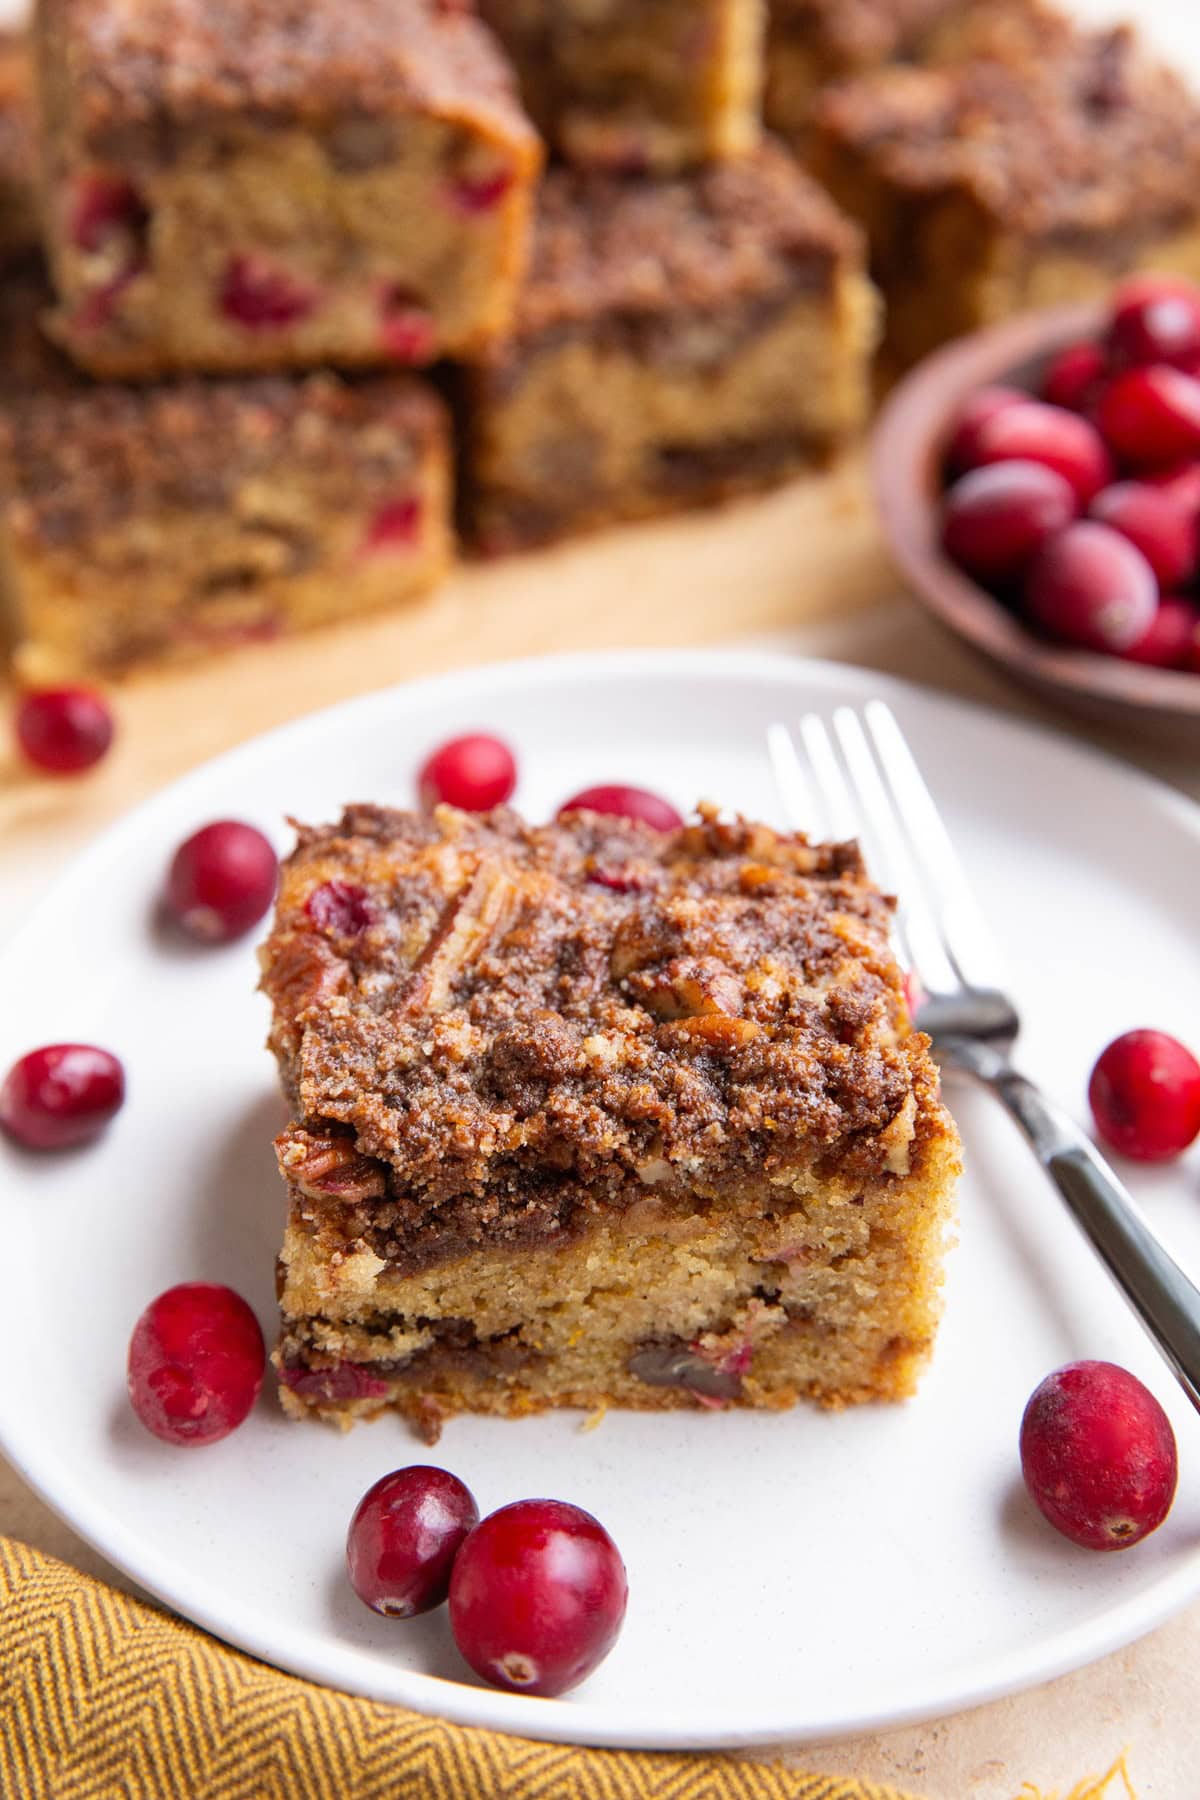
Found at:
<point>244,187</point>
<point>989,184</point>
<point>588,1114</point>
<point>678,340</point>
<point>638,84</point>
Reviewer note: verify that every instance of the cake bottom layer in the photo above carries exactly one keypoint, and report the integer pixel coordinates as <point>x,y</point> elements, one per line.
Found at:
<point>834,1298</point>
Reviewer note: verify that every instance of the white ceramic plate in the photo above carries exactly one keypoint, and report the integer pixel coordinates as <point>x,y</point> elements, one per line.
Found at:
<point>791,1576</point>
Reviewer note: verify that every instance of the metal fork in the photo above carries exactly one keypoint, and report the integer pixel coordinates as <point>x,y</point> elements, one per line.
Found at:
<point>857,777</point>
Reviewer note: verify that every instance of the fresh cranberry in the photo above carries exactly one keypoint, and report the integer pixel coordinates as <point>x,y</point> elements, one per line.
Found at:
<point>396,525</point>
<point>1154,521</point>
<point>1098,1455</point>
<point>1181,482</point>
<point>619,802</point>
<point>406,327</point>
<point>196,1361</point>
<point>537,1596</point>
<point>1145,1095</point>
<point>1151,416</point>
<point>1035,432</point>
<point>221,881</point>
<point>106,207</point>
<point>64,730</point>
<point>340,1381</point>
<point>475,772</point>
<point>480,194</point>
<point>973,415</point>
<point>996,519</point>
<point>1090,587</point>
<point>262,296</point>
<point>404,1537</point>
<point>340,907</point>
<point>1192,660</point>
<point>1075,377</point>
<point>60,1095</point>
<point>1167,641</point>
<point>1155,319</point>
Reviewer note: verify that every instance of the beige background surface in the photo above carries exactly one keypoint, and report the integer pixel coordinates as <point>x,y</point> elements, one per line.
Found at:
<point>805,567</point>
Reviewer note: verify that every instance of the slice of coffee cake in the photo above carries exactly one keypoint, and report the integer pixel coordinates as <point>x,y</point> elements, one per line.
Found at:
<point>587,1113</point>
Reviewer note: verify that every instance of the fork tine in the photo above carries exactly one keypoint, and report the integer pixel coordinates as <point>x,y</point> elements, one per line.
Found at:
<point>802,807</point>
<point>967,939</point>
<point>841,814</point>
<point>891,860</point>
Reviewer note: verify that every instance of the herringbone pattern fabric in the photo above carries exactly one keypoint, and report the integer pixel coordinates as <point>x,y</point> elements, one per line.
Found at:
<point>103,1698</point>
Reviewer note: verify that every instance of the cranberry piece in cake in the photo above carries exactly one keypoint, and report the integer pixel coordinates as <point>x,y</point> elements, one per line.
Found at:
<point>233,189</point>
<point>196,1362</point>
<point>61,1095</point>
<point>64,730</point>
<point>596,1112</point>
<point>222,881</point>
<point>537,1597</point>
<point>1098,1455</point>
<point>404,1537</point>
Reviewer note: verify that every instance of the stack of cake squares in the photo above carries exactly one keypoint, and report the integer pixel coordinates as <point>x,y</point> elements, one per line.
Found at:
<point>306,285</point>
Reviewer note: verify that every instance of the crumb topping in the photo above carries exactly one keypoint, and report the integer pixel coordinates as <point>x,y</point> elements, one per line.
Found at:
<point>485,1026</point>
<point>1095,137</point>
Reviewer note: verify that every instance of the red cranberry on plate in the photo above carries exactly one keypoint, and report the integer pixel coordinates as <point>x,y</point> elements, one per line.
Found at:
<point>995,519</point>
<point>196,1361</point>
<point>1090,587</point>
<point>1157,523</point>
<point>1167,641</point>
<point>621,802</point>
<point>474,773</point>
<point>64,730</point>
<point>404,1537</point>
<point>973,414</point>
<point>1155,319</point>
<point>61,1095</point>
<point>1098,1455</point>
<point>537,1596</point>
<point>1145,1095</point>
<point>222,881</point>
<point>1151,416</point>
<point>1035,432</point>
<point>1075,377</point>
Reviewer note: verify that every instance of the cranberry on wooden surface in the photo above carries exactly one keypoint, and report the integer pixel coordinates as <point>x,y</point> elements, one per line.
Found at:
<point>1151,416</point>
<point>1090,587</point>
<point>61,1095</point>
<point>1156,523</point>
<point>403,1538</point>
<point>1155,319</point>
<point>1167,641</point>
<point>196,1361</point>
<point>1098,1455</point>
<point>263,296</point>
<point>973,414</point>
<point>222,881</point>
<point>537,1596</point>
<point>1035,432</point>
<point>64,730</point>
<point>622,802</point>
<point>1145,1095</point>
<point>1075,377</point>
<point>474,772</point>
<point>996,519</point>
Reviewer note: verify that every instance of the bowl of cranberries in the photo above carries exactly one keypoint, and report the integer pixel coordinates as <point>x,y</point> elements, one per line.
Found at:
<point>1039,487</point>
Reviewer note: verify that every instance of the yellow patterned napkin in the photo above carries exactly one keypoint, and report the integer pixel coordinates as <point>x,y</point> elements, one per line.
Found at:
<point>104,1698</point>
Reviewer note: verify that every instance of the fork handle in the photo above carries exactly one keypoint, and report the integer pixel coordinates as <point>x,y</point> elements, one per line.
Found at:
<point>1166,1301</point>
